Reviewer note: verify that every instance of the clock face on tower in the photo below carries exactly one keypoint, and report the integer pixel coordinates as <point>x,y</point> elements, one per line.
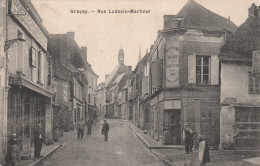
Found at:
<point>121,58</point>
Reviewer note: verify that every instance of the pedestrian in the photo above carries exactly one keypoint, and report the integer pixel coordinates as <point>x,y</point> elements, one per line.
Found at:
<point>80,128</point>
<point>105,130</point>
<point>204,156</point>
<point>13,151</point>
<point>89,125</point>
<point>188,138</point>
<point>38,139</point>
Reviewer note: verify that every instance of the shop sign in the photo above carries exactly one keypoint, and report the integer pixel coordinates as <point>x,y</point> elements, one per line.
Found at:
<point>172,64</point>
<point>29,24</point>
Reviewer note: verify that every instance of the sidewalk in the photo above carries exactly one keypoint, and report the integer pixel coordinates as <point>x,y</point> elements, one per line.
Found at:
<point>149,142</point>
<point>175,155</point>
<point>49,149</point>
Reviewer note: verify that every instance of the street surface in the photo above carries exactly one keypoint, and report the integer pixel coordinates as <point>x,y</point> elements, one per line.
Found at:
<point>123,148</point>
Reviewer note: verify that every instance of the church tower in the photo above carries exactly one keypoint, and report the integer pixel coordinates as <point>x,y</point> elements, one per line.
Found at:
<point>121,56</point>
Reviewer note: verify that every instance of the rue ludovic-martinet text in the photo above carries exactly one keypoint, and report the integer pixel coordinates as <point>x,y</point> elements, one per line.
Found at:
<point>109,11</point>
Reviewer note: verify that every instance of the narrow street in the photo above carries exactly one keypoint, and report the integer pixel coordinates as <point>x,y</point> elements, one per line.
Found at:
<point>122,148</point>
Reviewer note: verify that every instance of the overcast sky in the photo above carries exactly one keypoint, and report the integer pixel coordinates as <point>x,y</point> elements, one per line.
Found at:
<point>103,34</point>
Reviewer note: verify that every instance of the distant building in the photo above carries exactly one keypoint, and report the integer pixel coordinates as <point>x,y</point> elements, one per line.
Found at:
<point>240,85</point>
<point>109,83</point>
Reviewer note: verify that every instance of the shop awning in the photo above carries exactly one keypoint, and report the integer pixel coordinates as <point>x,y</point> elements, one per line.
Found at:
<point>18,80</point>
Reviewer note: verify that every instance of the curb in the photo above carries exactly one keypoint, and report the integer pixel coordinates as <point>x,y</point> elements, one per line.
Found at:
<point>149,147</point>
<point>48,154</point>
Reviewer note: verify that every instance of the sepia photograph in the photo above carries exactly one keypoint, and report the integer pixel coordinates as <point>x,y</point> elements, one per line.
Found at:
<point>129,82</point>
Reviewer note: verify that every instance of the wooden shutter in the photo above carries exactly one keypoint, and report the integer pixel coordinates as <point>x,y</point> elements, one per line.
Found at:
<point>214,70</point>
<point>191,69</point>
<point>256,62</point>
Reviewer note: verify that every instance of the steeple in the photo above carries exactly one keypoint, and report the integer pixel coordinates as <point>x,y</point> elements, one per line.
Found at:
<point>121,56</point>
<point>139,57</point>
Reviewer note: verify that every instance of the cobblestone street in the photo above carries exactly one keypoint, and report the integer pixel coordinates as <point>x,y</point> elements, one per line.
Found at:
<point>122,148</point>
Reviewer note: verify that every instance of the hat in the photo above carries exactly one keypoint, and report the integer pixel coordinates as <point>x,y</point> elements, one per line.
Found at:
<point>14,134</point>
<point>186,124</point>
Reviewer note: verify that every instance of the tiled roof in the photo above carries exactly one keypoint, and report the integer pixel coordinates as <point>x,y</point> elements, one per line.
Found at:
<point>195,16</point>
<point>243,42</point>
<point>71,68</point>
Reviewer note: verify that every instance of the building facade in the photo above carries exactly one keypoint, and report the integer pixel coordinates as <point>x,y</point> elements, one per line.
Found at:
<point>26,78</point>
<point>69,66</point>
<point>239,93</point>
<point>109,83</point>
<point>184,74</point>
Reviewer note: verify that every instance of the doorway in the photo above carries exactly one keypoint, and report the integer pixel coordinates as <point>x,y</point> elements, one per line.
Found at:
<point>172,126</point>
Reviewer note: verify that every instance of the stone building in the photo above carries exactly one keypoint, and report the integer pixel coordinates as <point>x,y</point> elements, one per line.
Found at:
<point>109,80</point>
<point>92,93</point>
<point>26,90</point>
<point>240,81</point>
<point>68,68</point>
<point>184,74</point>
<point>101,102</point>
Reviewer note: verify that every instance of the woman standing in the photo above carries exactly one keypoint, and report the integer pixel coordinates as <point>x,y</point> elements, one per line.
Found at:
<point>203,150</point>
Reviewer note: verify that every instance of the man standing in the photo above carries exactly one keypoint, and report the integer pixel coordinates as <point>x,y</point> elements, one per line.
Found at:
<point>105,129</point>
<point>187,138</point>
<point>38,139</point>
<point>80,128</point>
<point>90,123</point>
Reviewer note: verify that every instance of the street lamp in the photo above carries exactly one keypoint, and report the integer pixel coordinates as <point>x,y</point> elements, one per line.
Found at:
<point>9,43</point>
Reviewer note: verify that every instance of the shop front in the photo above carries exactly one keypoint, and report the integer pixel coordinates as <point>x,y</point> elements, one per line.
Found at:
<point>26,109</point>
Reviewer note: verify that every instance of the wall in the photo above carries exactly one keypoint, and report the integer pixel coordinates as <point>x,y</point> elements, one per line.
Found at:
<point>19,59</point>
<point>227,120</point>
<point>234,81</point>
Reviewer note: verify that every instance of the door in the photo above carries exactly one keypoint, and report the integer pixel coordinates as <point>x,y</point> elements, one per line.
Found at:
<point>172,126</point>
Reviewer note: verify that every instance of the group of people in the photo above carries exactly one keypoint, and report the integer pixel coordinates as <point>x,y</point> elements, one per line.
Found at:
<point>193,140</point>
<point>89,123</point>
<point>13,150</point>
<point>81,127</point>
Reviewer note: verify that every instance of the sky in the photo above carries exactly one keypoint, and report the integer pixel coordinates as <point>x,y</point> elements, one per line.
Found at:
<point>105,33</point>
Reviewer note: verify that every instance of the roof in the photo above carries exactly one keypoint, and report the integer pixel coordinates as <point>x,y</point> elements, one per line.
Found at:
<point>119,78</point>
<point>195,16</point>
<point>111,76</point>
<point>71,68</point>
<point>243,42</point>
<point>117,81</point>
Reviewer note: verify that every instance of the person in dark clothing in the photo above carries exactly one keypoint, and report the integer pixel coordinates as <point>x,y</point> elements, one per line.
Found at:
<point>105,130</point>
<point>188,138</point>
<point>38,139</point>
<point>81,128</point>
<point>13,151</point>
<point>89,125</point>
<point>204,156</point>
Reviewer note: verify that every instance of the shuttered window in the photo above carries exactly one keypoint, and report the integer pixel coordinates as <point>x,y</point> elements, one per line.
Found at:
<point>202,69</point>
<point>253,85</point>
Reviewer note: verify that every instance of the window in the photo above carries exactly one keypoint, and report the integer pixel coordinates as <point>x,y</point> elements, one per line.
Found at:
<point>39,67</point>
<point>253,84</point>
<point>202,69</point>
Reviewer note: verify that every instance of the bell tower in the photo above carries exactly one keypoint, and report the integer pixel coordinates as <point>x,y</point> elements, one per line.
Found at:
<point>121,56</point>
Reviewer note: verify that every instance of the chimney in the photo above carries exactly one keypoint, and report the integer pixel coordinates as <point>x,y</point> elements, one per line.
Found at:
<point>71,34</point>
<point>83,51</point>
<point>166,19</point>
<point>106,76</point>
<point>252,11</point>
